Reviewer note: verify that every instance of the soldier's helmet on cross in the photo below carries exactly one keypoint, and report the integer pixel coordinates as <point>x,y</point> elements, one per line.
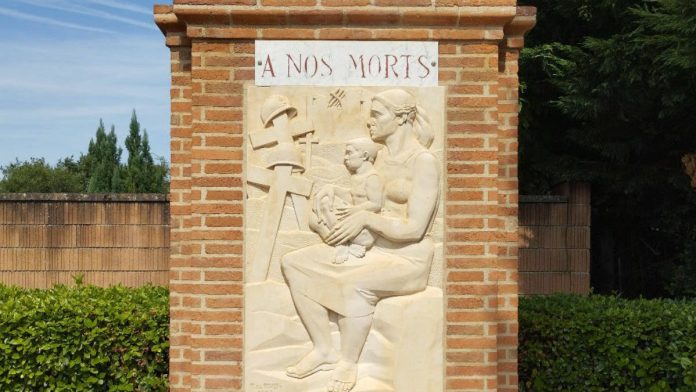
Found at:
<point>274,106</point>
<point>283,160</point>
<point>276,112</point>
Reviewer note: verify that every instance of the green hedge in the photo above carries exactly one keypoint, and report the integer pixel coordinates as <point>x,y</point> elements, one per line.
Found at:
<point>116,339</point>
<point>84,339</point>
<point>600,343</point>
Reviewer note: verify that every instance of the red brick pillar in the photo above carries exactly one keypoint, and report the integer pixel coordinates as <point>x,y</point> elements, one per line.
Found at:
<point>212,44</point>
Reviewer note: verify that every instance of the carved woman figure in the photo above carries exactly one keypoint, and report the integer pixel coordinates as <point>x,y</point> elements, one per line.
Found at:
<point>397,264</point>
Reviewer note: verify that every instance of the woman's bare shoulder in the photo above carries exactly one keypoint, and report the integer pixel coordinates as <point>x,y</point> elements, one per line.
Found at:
<point>425,157</point>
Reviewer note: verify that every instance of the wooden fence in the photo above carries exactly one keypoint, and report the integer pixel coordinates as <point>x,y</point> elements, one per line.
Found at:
<point>47,239</point>
<point>555,241</point>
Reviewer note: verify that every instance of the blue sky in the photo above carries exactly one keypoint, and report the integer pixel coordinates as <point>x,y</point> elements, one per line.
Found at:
<point>64,64</point>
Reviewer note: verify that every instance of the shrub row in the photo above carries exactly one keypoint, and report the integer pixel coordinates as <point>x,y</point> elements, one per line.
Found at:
<point>600,343</point>
<point>93,339</point>
<point>84,339</point>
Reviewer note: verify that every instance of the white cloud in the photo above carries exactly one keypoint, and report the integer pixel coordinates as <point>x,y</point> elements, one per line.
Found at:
<point>120,67</point>
<point>66,111</point>
<point>78,9</point>
<point>53,92</point>
<point>83,88</point>
<point>121,5</point>
<point>40,19</point>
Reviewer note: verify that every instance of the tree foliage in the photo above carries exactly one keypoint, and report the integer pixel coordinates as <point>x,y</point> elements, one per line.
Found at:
<point>35,175</point>
<point>608,97</point>
<point>142,174</point>
<point>102,163</point>
<point>100,170</point>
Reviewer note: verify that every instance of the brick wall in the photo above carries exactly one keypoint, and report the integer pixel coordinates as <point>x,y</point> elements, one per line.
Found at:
<point>46,239</point>
<point>213,58</point>
<point>555,241</point>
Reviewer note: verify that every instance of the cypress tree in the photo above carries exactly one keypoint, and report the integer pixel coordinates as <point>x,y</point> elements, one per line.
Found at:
<point>102,162</point>
<point>155,173</point>
<point>135,170</point>
<point>142,175</point>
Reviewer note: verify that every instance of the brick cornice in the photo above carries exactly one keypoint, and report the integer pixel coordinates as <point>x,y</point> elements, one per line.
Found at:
<point>442,23</point>
<point>166,20</point>
<point>524,20</point>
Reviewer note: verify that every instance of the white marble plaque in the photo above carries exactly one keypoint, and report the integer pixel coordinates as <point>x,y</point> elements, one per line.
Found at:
<point>346,63</point>
<point>344,233</point>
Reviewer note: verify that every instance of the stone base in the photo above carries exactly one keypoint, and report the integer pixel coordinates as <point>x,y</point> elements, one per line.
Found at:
<point>403,351</point>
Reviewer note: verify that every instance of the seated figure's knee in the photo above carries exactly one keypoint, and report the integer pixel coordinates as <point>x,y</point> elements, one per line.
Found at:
<point>284,262</point>
<point>287,264</point>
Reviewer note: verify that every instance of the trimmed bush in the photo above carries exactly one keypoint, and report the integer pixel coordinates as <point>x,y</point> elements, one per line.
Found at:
<point>84,339</point>
<point>601,343</point>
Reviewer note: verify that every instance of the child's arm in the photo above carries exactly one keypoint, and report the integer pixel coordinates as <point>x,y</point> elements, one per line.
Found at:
<point>373,190</point>
<point>329,191</point>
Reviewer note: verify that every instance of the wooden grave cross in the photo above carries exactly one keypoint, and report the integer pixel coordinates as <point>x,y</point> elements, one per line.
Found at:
<point>281,183</point>
<point>308,140</point>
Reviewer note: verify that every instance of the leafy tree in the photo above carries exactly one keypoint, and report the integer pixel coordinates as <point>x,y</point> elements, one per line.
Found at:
<point>35,175</point>
<point>608,98</point>
<point>98,171</point>
<point>157,173</point>
<point>101,164</point>
<point>141,173</point>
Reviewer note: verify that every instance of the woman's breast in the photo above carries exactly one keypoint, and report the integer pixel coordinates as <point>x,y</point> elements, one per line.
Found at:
<point>398,190</point>
<point>397,183</point>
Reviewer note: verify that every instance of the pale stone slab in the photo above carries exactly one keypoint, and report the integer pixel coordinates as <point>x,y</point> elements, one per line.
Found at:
<point>346,63</point>
<point>403,327</point>
<point>343,214</point>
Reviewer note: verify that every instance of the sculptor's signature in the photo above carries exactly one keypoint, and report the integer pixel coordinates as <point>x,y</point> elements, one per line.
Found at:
<point>266,387</point>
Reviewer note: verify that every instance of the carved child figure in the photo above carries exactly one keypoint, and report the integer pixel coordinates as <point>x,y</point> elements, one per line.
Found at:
<point>365,194</point>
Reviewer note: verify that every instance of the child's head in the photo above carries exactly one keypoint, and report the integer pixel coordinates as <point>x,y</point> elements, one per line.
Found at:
<point>359,151</point>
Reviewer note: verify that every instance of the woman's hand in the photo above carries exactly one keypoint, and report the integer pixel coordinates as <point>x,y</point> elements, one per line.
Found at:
<point>347,228</point>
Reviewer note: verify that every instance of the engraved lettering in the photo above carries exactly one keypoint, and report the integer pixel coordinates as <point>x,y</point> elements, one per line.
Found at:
<point>334,63</point>
<point>422,60</point>
<point>392,65</point>
<point>268,67</point>
<point>362,64</point>
<point>374,60</point>
<point>407,57</point>
<point>311,62</point>
<point>326,65</point>
<point>297,65</point>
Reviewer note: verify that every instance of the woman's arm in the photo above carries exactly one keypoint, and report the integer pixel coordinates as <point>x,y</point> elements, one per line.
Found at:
<point>421,204</point>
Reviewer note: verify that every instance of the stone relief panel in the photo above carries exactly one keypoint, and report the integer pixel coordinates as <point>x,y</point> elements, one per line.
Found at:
<point>344,232</point>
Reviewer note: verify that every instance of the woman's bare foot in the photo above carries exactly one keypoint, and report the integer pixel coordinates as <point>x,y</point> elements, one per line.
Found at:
<point>343,378</point>
<point>314,361</point>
